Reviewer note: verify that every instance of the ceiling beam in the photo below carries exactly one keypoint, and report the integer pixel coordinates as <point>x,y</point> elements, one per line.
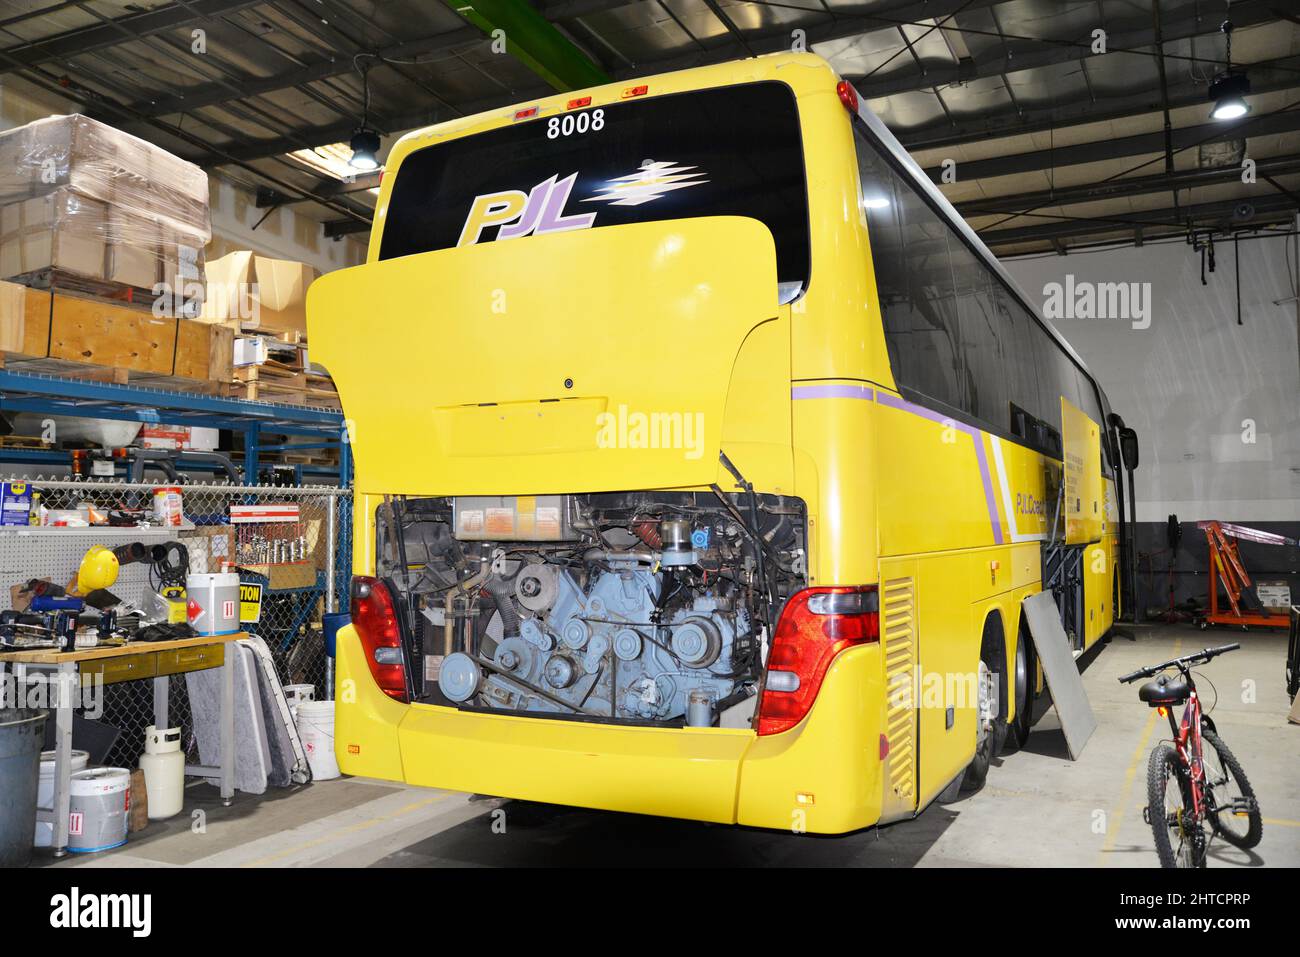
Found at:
<point>534,41</point>
<point>211,94</point>
<point>1222,214</point>
<point>768,41</point>
<point>1143,143</point>
<point>62,46</point>
<point>1012,204</point>
<point>1285,75</point>
<point>1052,52</point>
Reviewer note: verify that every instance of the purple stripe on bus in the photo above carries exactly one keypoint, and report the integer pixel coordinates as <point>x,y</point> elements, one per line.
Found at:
<point>884,398</point>
<point>831,392</point>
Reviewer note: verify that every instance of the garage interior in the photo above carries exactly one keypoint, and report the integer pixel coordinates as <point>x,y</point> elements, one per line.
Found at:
<point>1075,137</point>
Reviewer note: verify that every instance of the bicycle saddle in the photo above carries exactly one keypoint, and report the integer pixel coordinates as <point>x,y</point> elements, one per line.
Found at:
<point>1165,690</point>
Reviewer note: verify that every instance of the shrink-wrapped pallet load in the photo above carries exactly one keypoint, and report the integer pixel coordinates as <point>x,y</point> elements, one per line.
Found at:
<point>86,206</point>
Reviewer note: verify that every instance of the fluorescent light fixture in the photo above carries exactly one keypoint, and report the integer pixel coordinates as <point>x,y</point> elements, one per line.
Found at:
<point>875,202</point>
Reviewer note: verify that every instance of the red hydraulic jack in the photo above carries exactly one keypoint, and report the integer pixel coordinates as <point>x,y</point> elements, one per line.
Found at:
<point>1226,567</point>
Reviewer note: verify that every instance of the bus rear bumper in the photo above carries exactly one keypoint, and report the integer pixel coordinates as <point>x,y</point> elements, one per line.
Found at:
<point>819,777</point>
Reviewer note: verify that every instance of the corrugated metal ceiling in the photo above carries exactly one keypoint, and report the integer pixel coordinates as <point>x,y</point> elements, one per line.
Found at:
<point>1012,90</point>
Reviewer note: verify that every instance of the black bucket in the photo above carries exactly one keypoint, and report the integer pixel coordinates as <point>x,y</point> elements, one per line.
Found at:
<point>22,733</point>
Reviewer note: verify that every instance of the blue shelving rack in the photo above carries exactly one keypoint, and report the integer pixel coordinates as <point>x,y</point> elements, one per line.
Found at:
<point>62,395</point>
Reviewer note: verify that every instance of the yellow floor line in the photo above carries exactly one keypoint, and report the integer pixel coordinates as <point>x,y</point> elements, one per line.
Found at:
<point>344,831</point>
<point>1139,760</point>
<point>1280,822</point>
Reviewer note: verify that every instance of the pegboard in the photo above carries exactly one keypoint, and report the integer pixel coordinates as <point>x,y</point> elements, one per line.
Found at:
<point>54,553</point>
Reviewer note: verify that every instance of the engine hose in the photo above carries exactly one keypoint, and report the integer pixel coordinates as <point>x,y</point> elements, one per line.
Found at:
<point>504,597</point>
<point>648,531</point>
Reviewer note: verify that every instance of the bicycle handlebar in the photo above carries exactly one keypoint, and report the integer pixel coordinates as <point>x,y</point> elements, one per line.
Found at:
<point>1205,654</point>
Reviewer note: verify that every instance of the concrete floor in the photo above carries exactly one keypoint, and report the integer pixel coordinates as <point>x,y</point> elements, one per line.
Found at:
<point>1038,808</point>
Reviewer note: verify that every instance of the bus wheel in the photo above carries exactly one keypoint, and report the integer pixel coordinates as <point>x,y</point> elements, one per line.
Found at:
<point>1022,683</point>
<point>990,727</point>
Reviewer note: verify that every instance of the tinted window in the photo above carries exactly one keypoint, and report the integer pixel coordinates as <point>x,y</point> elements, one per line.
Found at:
<point>982,330</point>
<point>955,332</point>
<point>915,283</point>
<point>1016,334</point>
<point>731,151</point>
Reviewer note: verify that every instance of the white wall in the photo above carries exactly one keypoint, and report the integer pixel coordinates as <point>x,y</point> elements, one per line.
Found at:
<point>1193,382</point>
<point>284,234</point>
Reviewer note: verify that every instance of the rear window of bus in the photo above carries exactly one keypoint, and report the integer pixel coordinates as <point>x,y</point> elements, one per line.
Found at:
<point>728,151</point>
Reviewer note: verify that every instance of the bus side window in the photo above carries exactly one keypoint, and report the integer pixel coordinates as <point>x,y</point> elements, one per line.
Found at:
<point>910,248</point>
<point>988,375</point>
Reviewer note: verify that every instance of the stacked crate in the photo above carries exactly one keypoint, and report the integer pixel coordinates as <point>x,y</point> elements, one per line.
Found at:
<point>87,207</point>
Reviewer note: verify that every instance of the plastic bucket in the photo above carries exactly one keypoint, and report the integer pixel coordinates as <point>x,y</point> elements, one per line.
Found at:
<point>100,800</point>
<point>296,695</point>
<point>316,728</point>
<point>45,791</point>
<point>22,732</point>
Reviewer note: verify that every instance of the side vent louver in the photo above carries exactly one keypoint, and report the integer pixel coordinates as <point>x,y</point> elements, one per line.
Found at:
<point>898,637</point>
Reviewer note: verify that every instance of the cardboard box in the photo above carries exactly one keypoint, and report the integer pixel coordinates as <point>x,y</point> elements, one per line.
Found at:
<point>100,162</point>
<point>178,437</point>
<point>209,546</point>
<point>256,292</point>
<point>1274,595</point>
<point>133,253</point>
<point>59,230</point>
<point>250,351</point>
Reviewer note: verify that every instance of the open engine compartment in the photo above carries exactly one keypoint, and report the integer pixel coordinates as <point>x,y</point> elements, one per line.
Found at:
<point>641,607</point>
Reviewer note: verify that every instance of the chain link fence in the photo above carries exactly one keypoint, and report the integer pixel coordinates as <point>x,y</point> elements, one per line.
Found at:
<point>293,541</point>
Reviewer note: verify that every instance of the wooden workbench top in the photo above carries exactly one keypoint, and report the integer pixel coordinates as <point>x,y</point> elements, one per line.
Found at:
<point>48,656</point>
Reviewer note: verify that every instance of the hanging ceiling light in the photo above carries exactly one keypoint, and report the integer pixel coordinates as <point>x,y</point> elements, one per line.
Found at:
<point>1229,89</point>
<point>365,146</point>
<point>365,141</point>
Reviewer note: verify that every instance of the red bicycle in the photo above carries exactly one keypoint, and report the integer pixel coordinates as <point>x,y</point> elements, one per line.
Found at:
<point>1194,792</point>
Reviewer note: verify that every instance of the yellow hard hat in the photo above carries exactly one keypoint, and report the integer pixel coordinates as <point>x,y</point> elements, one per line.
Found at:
<point>98,569</point>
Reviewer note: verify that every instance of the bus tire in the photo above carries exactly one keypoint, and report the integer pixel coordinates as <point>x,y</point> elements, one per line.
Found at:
<point>1023,678</point>
<point>988,741</point>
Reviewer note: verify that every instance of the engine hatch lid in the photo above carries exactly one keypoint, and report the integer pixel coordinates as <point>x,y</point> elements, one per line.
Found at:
<point>584,361</point>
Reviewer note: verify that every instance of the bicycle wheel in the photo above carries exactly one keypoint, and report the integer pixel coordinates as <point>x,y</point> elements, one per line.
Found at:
<point>1180,840</point>
<point>1239,823</point>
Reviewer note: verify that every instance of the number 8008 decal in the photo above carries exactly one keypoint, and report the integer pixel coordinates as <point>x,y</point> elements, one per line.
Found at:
<point>571,123</point>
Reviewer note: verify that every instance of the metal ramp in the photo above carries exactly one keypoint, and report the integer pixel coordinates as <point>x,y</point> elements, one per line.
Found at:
<point>1062,673</point>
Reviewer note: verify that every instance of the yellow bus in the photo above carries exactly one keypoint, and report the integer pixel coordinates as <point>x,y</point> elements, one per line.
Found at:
<point>703,458</point>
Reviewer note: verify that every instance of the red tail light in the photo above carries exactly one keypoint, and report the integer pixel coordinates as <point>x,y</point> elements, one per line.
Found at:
<point>816,625</point>
<point>848,95</point>
<point>375,618</point>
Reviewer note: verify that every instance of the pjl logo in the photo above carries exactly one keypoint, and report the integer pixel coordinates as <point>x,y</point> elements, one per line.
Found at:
<point>651,430</point>
<point>539,211</point>
<point>1029,504</point>
<point>1129,301</point>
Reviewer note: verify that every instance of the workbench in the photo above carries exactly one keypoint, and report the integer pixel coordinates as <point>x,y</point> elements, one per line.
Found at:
<point>68,673</point>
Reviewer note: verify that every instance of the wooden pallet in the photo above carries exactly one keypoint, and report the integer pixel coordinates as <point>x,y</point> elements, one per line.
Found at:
<point>272,381</point>
<point>24,442</point>
<point>71,284</point>
<point>51,331</point>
